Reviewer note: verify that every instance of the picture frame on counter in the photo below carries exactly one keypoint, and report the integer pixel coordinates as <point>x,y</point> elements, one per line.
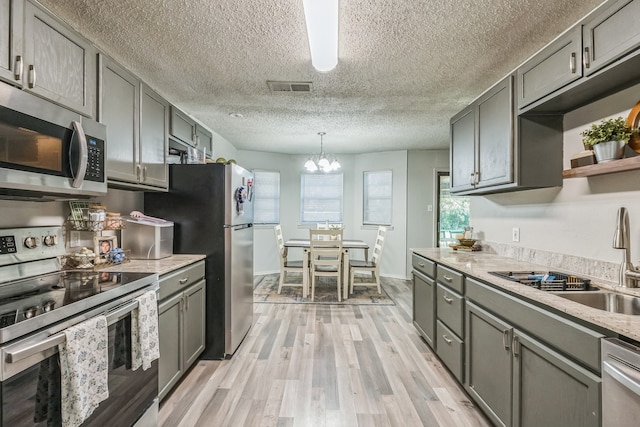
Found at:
<point>103,245</point>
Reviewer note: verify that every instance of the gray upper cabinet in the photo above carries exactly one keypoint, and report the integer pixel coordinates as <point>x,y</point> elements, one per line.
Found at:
<point>119,104</point>
<point>610,34</point>
<point>154,128</point>
<point>482,141</point>
<point>494,150</point>
<point>59,64</point>
<point>11,30</point>
<point>137,122</point>
<point>182,127</point>
<point>463,150</point>
<point>187,130</point>
<point>551,69</point>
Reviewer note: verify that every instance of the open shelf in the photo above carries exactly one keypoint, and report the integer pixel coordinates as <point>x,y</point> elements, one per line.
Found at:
<point>621,165</point>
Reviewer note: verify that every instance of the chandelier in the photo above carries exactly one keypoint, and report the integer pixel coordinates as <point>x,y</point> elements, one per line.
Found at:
<point>321,161</point>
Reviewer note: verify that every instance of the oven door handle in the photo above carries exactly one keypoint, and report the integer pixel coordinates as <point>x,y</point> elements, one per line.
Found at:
<point>633,384</point>
<point>112,316</point>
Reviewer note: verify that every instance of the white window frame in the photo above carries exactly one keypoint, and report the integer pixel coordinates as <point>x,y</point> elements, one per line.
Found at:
<point>377,193</point>
<point>262,202</point>
<point>314,217</point>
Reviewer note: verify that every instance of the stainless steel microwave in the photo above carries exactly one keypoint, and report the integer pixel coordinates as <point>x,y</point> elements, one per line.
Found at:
<point>48,152</point>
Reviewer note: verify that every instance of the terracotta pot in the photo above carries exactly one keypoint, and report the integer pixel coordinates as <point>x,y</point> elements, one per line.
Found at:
<point>608,151</point>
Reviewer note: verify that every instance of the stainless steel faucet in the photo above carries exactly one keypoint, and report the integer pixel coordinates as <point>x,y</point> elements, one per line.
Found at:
<point>621,240</point>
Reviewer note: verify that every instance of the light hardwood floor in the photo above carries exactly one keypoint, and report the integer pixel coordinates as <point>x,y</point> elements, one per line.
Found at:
<point>325,365</point>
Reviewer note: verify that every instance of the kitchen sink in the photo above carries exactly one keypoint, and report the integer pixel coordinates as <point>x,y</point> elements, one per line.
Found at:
<point>547,280</point>
<point>608,301</point>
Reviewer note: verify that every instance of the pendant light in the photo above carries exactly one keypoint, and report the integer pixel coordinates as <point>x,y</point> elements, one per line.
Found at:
<point>320,161</point>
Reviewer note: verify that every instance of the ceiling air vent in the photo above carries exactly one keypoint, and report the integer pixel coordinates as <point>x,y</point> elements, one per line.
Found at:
<point>289,86</point>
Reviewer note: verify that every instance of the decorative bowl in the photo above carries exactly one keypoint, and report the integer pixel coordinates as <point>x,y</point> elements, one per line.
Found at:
<point>467,242</point>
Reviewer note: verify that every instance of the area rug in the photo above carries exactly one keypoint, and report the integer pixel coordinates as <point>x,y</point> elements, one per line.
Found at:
<point>266,291</point>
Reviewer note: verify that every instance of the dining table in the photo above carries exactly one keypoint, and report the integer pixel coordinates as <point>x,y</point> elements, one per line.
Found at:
<point>347,246</point>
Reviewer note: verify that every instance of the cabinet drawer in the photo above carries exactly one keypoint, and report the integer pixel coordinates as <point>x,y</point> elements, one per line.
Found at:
<point>178,281</point>
<point>423,265</point>
<point>450,350</point>
<point>450,278</point>
<point>450,307</point>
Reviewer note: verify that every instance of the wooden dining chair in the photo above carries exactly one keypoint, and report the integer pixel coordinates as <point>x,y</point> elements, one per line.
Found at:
<point>372,266</point>
<point>287,266</point>
<point>325,250</point>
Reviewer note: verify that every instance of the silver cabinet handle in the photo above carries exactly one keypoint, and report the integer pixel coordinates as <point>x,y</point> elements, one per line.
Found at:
<point>472,179</point>
<point>515,345</point>
<point>32,77</point>
<point>185,280</point>
<point>447,278</point>
<point>477,180</point>
<point>144,173</point>
<point>17,68</point>
<point>586,58</point>
<point>138,171</point>
<point>572,63</point>
<point>421,264</point>
<point>447,299</point>
<point>446,339</point>
<point>505,339</point>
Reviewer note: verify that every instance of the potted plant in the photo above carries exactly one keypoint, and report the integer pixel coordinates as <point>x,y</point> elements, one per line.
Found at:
<point>607,138</point>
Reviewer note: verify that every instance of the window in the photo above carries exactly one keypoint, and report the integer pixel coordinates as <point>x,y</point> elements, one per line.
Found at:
<point>453,212</point>
<point>266,202</point>
<point>378,197</point>
<point>321,198</point>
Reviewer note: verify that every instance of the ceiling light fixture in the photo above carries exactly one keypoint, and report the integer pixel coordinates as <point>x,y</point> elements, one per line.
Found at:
<point>321,161</point>
<point>322,29</point>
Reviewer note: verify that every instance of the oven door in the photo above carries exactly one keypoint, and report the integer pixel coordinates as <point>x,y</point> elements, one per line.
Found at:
<point>32,396</point>
<point>45,149</point>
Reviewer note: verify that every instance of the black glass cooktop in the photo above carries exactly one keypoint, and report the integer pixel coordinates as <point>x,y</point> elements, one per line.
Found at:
<point>46,299</point>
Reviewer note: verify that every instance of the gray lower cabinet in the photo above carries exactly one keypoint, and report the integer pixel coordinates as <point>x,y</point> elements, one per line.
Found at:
<point>181,322</point>
<point>59,64</point>
<point>518,379</point>
<point>424,298</point>
<point>450,320</point>
<point>11,30</point>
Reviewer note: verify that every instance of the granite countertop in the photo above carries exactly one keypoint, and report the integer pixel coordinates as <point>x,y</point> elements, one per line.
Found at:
<point>159,266</point>
<point>478,265</point>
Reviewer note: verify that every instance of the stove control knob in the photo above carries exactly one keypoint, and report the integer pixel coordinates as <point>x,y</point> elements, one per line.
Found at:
<point>50,240</point>
<point>31,242</point>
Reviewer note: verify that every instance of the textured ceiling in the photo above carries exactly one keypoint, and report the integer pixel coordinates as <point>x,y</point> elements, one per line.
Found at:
<point>404,66</point>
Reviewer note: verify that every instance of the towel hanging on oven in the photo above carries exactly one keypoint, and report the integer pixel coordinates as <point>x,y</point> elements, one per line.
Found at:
<point>83,368</point>
<point>145,347</point>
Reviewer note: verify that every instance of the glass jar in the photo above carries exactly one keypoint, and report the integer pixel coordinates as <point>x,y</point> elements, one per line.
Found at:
<point>97,214</point>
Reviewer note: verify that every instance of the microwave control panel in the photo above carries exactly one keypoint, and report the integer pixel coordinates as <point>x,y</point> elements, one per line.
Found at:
<point>95,160</point>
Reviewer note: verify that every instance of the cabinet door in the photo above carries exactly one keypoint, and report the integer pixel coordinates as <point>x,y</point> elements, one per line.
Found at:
<point>550,389</point>
<point>495,135</point>
<point>194,323</point>
<point>154,128</point>
<point>204,140</point>
<point>60,65</point>
<point>488,369</point>
<point>463,142</point>
<point>610,34</point>
<point>118,110</point>
<point>554,67</point>
<point>170,337</point>
<point>182,127</point>
<point>11,61</point>
<point>424,309</point>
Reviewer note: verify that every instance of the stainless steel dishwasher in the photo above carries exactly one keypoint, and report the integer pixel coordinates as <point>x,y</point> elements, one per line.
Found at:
<point>620,383</point>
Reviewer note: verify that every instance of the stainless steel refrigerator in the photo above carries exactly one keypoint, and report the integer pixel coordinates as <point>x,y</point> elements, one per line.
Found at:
<point>211,206</point>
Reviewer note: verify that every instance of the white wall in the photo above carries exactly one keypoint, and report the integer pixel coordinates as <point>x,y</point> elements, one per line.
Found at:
<point>353,166</point>
<point>578,218</point>
<point>422,192</point>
